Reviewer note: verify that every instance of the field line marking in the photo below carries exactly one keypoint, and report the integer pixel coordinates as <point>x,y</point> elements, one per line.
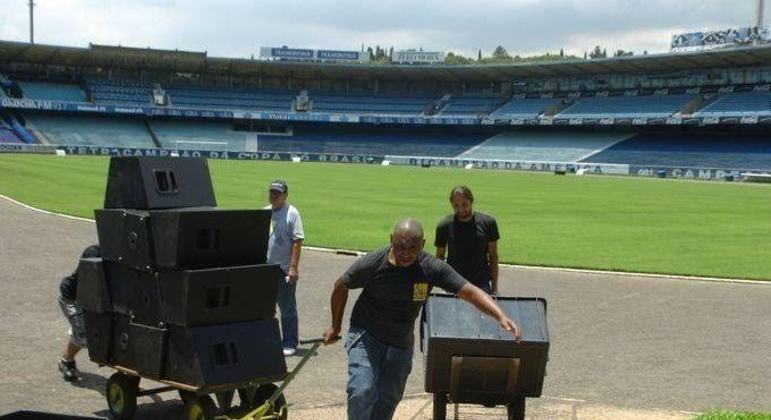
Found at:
<point>28,207</point>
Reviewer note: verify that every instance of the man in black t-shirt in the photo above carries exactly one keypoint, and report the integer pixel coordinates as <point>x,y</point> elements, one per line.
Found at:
<point>395,282</point>
<point>470,240</point>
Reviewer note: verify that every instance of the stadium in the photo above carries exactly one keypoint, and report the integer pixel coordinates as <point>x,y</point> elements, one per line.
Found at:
<point>633,185</point>
<point>702,114</point>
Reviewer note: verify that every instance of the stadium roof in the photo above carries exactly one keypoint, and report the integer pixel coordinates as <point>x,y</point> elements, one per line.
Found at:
<point>199,62</point>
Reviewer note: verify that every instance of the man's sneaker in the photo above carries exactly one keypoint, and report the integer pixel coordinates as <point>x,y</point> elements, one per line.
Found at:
<point>69,369</point>
<point>289,352</point>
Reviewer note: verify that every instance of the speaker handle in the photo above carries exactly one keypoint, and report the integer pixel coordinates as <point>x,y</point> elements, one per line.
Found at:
<point>315,340</point>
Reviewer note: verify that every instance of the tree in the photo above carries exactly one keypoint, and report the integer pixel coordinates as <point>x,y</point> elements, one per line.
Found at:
<point>562,52</point>
<point>622,53</point>
<point>500,53</point>
<point>456,59</point>
<point>598,52</point>
<point>479,55</point>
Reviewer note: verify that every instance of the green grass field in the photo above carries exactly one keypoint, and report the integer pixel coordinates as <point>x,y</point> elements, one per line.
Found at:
<point>606,223</point>
<point>733,415</point>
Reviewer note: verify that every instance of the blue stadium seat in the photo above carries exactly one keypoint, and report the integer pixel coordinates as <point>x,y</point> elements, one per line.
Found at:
<point>72,130</point>
<point>120,91</point>
<point>472,105</point>
<point>399,105</point>
<point>52,91</point>
<point>524,108</point>
<point>202,135</point>
<point>703,150</point>
<point>231,98</point>
<point>738,104</point>
<point>374,141</point>
<point>7,136</point>
<point>545,145</point>
<point>648,106</point>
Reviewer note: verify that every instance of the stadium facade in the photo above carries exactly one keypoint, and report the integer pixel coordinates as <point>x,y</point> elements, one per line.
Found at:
<point>698,114</point>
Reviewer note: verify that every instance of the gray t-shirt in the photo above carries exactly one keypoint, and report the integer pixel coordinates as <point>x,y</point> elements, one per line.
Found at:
<point>286,226</point>
<point>392,296</point>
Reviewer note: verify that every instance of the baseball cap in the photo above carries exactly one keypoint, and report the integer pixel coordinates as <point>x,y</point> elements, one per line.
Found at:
<point>279,185</point>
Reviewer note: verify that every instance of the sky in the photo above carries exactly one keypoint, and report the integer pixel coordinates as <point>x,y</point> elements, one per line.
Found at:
<point>238,28</point>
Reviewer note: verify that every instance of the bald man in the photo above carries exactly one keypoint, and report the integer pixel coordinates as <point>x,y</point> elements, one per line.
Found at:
<point>395,282</point>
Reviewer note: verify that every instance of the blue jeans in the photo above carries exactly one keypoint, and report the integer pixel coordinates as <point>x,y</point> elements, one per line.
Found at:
<point>287,304</point>
<point>377,374</point>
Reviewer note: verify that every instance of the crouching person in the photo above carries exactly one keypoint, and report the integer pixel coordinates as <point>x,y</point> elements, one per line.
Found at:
<point>68,292</point>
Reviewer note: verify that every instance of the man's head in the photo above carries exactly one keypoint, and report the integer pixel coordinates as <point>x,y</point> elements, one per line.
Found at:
<point>462,201</point>
<point>277,193</point>
<point>407,242</point>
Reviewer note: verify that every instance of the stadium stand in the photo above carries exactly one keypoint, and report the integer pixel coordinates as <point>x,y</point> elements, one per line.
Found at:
<point>696,150</point>
<point>18,129</point>
<point>75,130</point>
<point>52,91</point>
<point>648,106</point>
<point>7,135</point>
<point>201,135</point>
<point>379,104</point>
<point>119,91</point>
<point>545,146</point>
<point>374,141</point>
<point>524,108</point>
<point>472,104</point>
<point>738,104</point>
<point>231,98</point>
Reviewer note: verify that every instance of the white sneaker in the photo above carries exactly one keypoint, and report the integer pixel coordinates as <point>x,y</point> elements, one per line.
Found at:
<point>289,352</point>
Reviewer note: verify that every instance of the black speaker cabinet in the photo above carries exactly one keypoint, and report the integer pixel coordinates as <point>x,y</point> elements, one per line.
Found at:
<point>93,291</point>
<point>134,293</point>
<point>98,336</point>
<point>225,354</point>
<point>138,347</point>
<point>194,297</point>
<point>183,238</point>
<point>220,295</point>
<point>472,359</point>
<point>158,183</point>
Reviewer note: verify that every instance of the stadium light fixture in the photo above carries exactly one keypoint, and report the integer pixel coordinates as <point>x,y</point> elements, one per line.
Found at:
<point>31,22</point>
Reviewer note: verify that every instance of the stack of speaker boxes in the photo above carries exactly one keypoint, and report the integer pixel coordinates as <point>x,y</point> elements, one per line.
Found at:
<point>182,292</point>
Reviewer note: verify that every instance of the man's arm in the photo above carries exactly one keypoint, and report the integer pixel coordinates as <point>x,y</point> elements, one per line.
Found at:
<point>337,302</point>
<point>294,262</point>
<point>441,241</point>
<point>440,250</point>
<point>492,251</point>
<point>483,302</point>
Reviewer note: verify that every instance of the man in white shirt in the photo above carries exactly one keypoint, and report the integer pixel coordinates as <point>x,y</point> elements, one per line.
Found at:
<point>284,247</point>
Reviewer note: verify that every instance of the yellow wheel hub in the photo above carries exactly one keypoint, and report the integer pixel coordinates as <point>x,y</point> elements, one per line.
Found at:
<point>116,398</point>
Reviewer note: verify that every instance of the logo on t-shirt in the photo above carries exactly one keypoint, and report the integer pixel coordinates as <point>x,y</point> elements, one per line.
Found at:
<point>419,291</point>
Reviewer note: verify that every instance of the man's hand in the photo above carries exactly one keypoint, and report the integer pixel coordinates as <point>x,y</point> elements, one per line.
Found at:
<point>512,327</point>
<point>331,336</point>
<point>292,275</point>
